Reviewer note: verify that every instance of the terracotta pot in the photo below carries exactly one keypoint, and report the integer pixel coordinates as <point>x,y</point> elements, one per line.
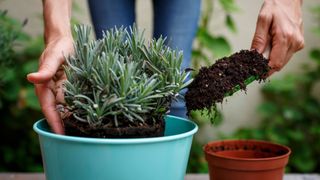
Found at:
<point>246,160</point>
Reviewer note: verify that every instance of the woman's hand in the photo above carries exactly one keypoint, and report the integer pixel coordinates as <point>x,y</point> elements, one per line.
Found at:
<point>49,78</point>
<point>59,43</point>
<point>280,26</point>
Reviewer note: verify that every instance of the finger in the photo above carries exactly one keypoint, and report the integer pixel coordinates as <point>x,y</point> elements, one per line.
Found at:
<point>260,39</point>
<point>288,57</point>
<point>278,55</point>
<point>48,106</point>
<point>48,68</point>
<point>267,49</point>
<point>272,71</point>
<point>298,42</point>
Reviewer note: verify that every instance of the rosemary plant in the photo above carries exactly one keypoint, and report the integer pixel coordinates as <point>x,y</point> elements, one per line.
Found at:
<point>121,77</point>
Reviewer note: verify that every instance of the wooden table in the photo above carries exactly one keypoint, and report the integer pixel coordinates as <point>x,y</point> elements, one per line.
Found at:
<point>40,176</point>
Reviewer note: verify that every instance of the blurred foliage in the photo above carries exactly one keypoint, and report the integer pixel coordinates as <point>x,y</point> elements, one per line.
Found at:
<point>291,114</point>
<point>19,53</point>
<point>316,12</point>
<point>9,32</point>
<point>19,149</point>
<point>197,162</point>
<point>209,46</point>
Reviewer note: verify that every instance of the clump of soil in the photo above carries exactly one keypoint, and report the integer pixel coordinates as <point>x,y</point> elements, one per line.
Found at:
<point>213,83</point>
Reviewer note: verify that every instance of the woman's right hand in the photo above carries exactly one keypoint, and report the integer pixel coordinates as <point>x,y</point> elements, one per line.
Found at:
<point>49,78</point>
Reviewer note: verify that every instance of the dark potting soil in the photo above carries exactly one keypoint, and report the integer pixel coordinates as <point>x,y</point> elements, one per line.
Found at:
<point>74,127</point>
<point>213,83</point>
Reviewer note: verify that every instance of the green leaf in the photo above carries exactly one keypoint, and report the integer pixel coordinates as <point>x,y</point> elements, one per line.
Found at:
<point>230,24</point>
<point>303,159</point>
<point>197,54</point>
<point>315,130</point>
<point>315,55</point>
<point>274,136</point>
<point>296,135</point>
<point>291,113</point>
<point>229,5</point>
<point>219,46</point>
<point>267,109</point>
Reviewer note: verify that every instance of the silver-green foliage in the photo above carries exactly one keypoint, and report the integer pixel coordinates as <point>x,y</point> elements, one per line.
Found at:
<point>121,77</point>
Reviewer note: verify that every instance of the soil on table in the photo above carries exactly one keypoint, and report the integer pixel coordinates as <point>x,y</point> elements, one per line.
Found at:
<point>149,128</point>
<point>212,83</point>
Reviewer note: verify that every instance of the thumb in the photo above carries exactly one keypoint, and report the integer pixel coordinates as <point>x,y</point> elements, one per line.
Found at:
<point>261,35</point>
<point>47,69</point>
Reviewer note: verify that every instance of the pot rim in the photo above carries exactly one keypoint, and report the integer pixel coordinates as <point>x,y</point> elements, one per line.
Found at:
<point>117,140</point>
<point>247,159</point>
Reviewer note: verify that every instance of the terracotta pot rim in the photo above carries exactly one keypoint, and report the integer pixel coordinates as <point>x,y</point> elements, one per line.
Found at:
<point>247,159</point>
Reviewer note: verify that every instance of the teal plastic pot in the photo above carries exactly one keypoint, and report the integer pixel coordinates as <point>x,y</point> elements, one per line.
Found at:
<point>160,158</point>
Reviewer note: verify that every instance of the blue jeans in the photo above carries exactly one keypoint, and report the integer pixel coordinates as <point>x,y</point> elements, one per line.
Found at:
<point>175,19</point>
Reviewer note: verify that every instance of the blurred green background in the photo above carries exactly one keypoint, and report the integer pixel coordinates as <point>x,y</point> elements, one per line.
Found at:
<point>289,112</point>
<point>18,104</point>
